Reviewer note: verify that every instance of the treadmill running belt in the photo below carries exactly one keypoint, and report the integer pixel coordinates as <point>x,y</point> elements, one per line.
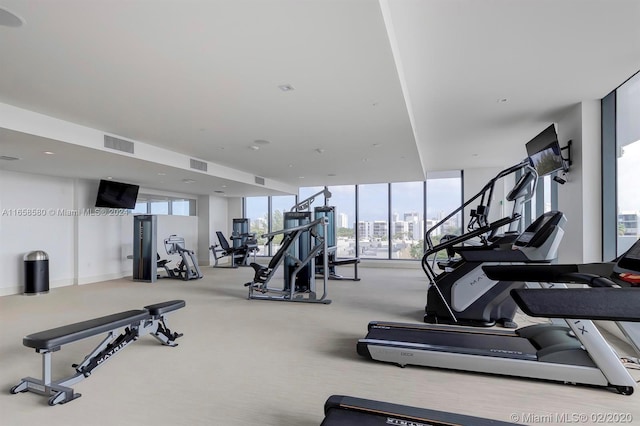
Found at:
<point>467,343</point>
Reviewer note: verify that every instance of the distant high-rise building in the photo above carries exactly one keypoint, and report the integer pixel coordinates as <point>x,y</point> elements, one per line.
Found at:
<point>380,228</point>
<point>628,223</point>
<point>411,216</point>
<point>400,228</point>
<point>343,220</point>
<point>365,230</point>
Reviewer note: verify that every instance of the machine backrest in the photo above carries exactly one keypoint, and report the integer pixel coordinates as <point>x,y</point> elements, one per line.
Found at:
<point>223,241</point>
<point>287,240</point>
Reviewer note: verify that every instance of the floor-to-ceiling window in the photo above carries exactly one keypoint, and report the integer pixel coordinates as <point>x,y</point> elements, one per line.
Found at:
<point>343,198</point>
<point>407,225</point>
<point>373,221</point>
<point>620,159</point>
<point>257,210</point>
<point>444,195</point>
<point>279,205</point>
<point>628,159</point>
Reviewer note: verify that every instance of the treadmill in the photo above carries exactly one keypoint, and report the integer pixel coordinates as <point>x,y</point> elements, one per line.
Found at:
<point>573,353</point>
<point>349,411</point>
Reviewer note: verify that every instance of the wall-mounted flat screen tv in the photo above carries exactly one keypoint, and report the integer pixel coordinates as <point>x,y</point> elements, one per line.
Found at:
<point>116,195</point>
<point>544,152</point>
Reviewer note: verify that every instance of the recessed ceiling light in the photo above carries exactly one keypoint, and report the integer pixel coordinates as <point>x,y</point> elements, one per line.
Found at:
<point>474,155</point>
<point>224,186</point>
<point>365,160</point>
<point>376,145</point>
<point>161,174</point>
<point>290,165</point>
<point>254,147</point>
<point>502,100</point>
<point>320,150</point>
<point>261,142</point>
<point>188,180</point>
<point>331,174</point>
<point>109,177</point>
<point>286,87</point>
<point>219,192</point>
<point>49,153</point>
<point>10,19</point>
<point>300,177</point>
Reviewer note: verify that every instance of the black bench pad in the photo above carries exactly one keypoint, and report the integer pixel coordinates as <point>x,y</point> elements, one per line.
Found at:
<point>348,261</point>
<point>164,307</point>
<point>55,337</point>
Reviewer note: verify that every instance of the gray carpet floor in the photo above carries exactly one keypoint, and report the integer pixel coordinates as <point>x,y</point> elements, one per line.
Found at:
<point>248,362</point>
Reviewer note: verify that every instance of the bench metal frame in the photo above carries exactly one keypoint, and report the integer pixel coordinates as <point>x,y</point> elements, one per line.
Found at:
<point>141,322</point>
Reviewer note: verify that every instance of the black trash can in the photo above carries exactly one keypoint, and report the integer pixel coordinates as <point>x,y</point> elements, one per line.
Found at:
<point>36,272</point>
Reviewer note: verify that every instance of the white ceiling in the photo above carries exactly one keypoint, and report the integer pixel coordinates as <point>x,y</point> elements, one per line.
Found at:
<point>384,90</point>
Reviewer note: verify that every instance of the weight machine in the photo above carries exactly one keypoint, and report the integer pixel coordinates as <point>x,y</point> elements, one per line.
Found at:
<point>187,268</point>
<point>302,241</point>
<point>244,244</point>
<point>330,213</point>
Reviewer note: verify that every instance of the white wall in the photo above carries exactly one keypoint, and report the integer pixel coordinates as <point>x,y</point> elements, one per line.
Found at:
<point>234,210</point>
<point>84,244</point>
<point>104,238</point>
<point>28,222</point>
<point>204,231</point>
<point>580,198</point>
<point>221,212</point>
<point>181,226</point>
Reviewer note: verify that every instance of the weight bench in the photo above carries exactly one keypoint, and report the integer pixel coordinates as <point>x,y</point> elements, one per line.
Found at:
<point>333,262</point>
<point>136,323</point>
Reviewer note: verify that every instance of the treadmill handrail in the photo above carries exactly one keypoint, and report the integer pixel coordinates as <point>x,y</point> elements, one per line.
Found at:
<point>462,238</point>
<point>485,195</point>
<point>559,273</point>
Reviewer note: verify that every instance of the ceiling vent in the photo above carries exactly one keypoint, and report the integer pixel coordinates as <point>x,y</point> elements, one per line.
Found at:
<point>118,144</point>
<point>259,180</point>
<point>7,158</point>
<point>198,165</point>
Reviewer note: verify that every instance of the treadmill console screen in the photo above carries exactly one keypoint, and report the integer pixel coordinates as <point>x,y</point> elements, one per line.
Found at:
<point>536,227</point>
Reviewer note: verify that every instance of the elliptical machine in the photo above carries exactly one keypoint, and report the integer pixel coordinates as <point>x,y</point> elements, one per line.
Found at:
<point>462,294</point>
